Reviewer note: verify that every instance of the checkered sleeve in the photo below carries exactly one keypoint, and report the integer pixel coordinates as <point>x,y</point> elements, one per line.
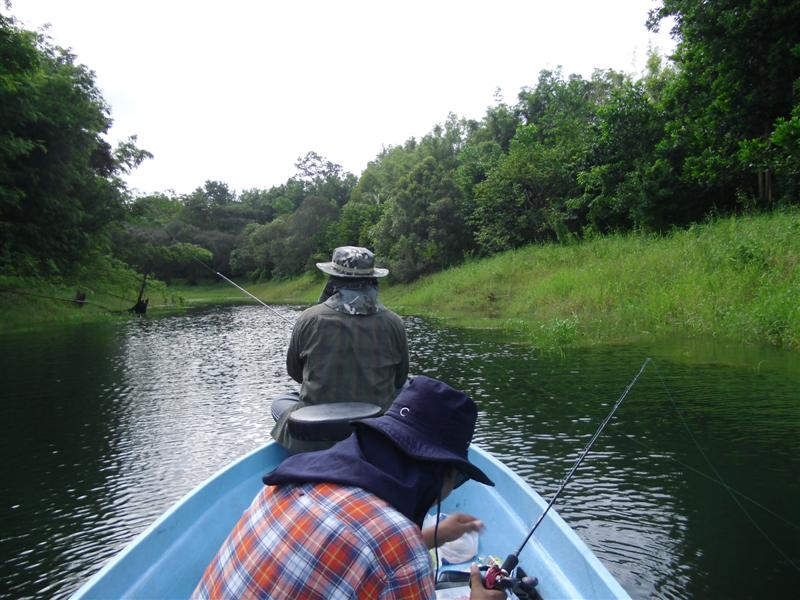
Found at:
<point>411,581</point>
<point>320,542</point>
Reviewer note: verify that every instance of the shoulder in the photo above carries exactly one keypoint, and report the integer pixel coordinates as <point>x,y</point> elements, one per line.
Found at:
<point>391,317</point>
<point>312,311</point>
<point>374,520</point>
<point>311,315</point>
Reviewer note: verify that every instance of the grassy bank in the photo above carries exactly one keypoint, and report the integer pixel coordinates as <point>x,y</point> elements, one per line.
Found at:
<point>299,290</point>
<point>735,278</point>
<point>110,288</point>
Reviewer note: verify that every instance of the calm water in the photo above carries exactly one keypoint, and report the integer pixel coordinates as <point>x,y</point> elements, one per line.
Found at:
<point>104,426</point>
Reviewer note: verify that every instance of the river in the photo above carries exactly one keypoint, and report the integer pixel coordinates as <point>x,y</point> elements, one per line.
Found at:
<point>103,426</point>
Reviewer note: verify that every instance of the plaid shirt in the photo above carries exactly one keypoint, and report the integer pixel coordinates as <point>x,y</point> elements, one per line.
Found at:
<point>320,541</point>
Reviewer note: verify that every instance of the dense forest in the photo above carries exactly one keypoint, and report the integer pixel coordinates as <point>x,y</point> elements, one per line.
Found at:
<point>712,130</point>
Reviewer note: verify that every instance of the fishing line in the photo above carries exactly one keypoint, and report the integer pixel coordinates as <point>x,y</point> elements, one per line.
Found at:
<point>716,473</point>
<point>70,300</point>
<point>697,471</point>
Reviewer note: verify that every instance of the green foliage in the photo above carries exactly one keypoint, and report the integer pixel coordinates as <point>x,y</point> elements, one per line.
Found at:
<point>422,226</point>
<point>110,288</point>
<point>713,131</point>
<point>324,179</point>
<point>290,244</point>
<point>354,225</point>
<point>267,205</point>
<point>59,180</point>
<point>526,195</point>
<point>733,278</point>
<point>739,66</point>
<point>617,187</point>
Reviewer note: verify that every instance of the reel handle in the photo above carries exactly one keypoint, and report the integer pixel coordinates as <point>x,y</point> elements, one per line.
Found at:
<point>495,578</point>
<point>496,575</point>
<point>498,578</point>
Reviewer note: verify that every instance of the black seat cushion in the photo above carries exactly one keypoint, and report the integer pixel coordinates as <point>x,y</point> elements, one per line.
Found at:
<point>329,422</point>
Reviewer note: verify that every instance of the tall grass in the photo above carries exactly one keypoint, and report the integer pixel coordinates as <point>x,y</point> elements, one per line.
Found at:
<point>736,278</point>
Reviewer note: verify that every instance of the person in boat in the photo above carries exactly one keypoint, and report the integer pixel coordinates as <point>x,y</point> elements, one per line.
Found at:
<point>345,522</point>
<point>347,348</point>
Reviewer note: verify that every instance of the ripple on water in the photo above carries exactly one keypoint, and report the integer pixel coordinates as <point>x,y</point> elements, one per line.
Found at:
<point>134,415</point>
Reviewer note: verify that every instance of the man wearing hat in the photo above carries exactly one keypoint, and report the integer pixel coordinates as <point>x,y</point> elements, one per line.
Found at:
<point>345,522</point>
<point>347,348</point>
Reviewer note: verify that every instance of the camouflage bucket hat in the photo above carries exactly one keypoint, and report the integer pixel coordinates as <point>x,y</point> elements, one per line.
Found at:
<point>352,261</point>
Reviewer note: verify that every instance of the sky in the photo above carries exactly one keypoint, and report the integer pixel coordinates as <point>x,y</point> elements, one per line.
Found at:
<point>236,91</point>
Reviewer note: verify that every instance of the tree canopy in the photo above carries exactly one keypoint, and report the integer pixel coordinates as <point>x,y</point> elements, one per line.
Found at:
<point>713,129</point>
<point>59,179</point>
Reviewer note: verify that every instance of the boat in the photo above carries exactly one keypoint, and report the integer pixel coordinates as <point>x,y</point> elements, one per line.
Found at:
<point>168,559</point>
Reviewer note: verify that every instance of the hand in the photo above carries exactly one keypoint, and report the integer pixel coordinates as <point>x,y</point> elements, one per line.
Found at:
<point>456,525</point>
<point>476,589</point>
<point>451,528</point>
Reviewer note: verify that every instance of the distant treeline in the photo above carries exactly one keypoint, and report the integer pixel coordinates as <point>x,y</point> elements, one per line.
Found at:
<point>714,130</point>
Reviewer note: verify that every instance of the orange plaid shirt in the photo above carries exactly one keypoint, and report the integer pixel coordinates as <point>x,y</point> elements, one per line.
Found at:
<point>320,542</point>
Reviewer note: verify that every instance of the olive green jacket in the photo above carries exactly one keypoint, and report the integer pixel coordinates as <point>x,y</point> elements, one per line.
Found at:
<point>338,357</point>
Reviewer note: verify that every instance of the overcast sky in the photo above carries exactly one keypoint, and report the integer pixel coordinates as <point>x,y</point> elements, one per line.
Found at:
<point>236,91</point>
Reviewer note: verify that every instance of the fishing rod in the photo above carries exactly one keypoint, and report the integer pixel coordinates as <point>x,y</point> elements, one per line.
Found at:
<point>495,575</point>
<point>236,285</point>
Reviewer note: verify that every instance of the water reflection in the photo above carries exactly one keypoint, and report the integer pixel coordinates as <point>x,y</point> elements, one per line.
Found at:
<point>105,426</point>
<point>645,500</point>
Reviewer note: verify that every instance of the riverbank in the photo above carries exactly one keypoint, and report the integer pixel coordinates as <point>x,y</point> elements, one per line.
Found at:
<point>736,279</point>
<point>102,288</point>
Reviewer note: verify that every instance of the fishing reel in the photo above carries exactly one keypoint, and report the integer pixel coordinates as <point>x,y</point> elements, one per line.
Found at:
<point>495,577</point>
<point>511,577</point>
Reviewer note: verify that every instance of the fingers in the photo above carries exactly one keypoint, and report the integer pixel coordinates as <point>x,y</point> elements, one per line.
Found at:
<point>477,591</point>
<point>469,520</point>
<point>475,581</point>
<point>475,525</point>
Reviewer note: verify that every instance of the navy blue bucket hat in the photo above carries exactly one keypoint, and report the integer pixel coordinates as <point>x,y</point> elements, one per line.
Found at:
<point>429,420</point>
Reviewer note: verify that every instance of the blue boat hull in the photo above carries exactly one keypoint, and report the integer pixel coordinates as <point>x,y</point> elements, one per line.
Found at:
<point>168,559</point>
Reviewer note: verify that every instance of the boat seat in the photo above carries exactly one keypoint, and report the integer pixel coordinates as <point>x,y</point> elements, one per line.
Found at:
<point>329,422</point>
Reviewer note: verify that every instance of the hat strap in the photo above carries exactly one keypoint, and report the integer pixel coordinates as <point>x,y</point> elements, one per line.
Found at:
<point>352,272</point>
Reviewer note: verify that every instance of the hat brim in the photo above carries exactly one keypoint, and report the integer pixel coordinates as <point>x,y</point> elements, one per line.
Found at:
<point>329,268</point>
<point>410,441</point>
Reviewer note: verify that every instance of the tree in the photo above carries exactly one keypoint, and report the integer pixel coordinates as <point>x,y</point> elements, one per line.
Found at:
<point>290,244</point>
<point>626,132</point>
<point>422,225</point>
<point>739,67</point>
<point>146,240</point>
<point>325,179</point>
<point>267,205</point>
<point>355,224</point>
<point>517,203</point>
<point>59,180</point>
<point>527,194</point>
